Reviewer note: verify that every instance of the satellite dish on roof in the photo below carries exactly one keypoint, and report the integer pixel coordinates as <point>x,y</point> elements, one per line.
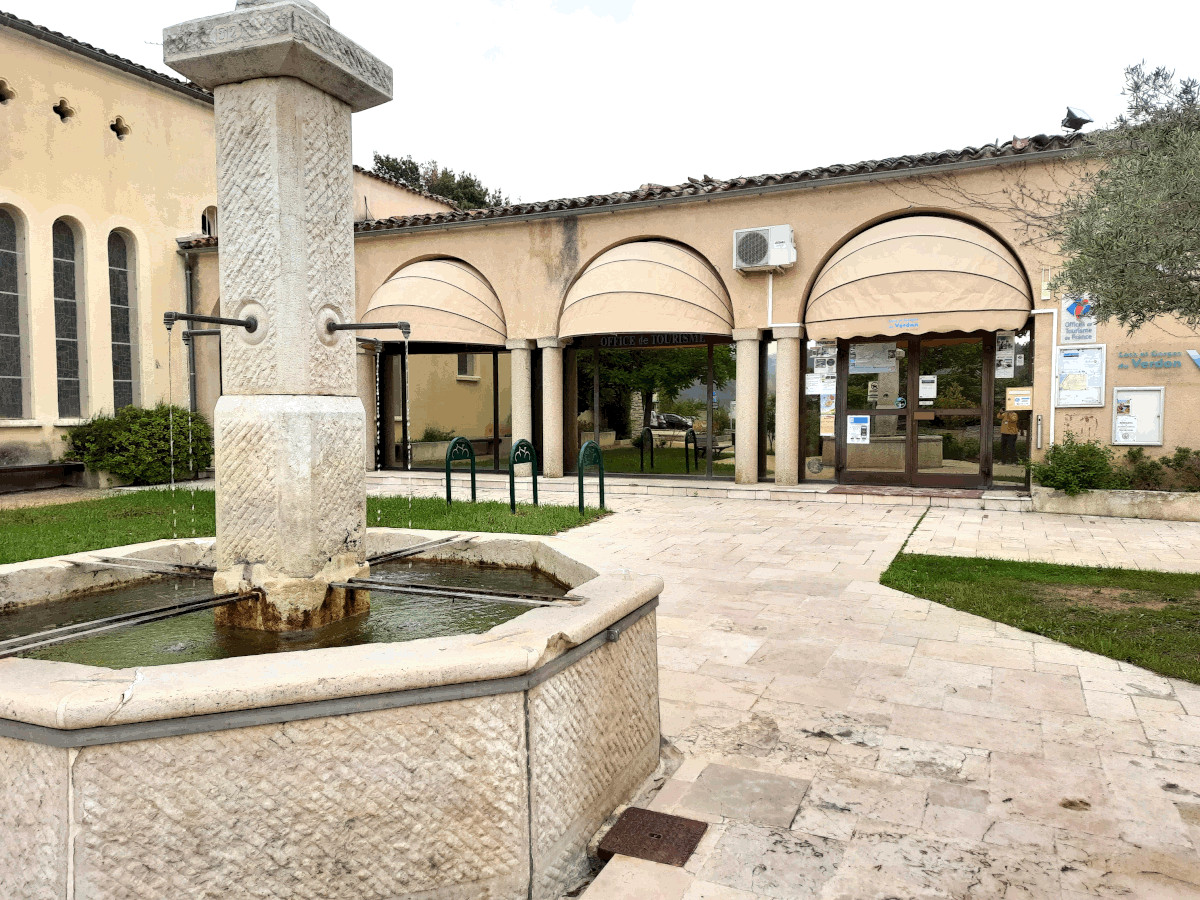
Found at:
<point>1075,119</point>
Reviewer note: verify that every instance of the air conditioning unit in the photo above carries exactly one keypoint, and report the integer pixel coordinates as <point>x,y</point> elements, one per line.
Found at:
<point>760,249</point>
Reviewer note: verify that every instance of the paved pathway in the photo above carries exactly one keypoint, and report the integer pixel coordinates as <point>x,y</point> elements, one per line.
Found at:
<point>1087,540</point>
<point>850,741</point>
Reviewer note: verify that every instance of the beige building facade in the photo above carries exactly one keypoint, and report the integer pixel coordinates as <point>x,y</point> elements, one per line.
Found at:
<point>904,279</point>
<point>103,165</point>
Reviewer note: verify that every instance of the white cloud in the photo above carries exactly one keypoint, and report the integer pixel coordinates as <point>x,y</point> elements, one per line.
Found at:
<point>549,98</point>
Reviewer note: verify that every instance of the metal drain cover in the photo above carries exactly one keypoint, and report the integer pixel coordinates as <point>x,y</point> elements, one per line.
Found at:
<point>655,836</point>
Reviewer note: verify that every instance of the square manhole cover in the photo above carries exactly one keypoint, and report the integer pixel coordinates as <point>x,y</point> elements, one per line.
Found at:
<point>655,836</point>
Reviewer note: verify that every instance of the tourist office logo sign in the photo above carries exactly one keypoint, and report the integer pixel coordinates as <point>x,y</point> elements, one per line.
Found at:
<point>1078,323</point>
<point>648,339</point>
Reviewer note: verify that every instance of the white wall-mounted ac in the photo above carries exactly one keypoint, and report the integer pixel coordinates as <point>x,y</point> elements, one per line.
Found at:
<point>762,249</point>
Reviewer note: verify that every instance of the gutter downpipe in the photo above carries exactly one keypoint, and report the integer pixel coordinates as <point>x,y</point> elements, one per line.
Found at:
<point>1053,313</point>
<point>189,302</point>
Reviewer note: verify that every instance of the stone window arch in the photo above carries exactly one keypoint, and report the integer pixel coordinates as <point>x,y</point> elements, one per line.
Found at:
<point>208,222</point>
<point>69,333</point>
<point>14,339</point>
<point>122,278</point>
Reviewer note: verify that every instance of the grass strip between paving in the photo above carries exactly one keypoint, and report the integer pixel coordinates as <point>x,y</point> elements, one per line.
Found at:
<point>1149,619</point>
<point>135,516</point>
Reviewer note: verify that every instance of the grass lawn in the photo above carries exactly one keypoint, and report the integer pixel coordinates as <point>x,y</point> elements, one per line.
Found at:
<point>667,461</point>
<point>128,518</point>
<point>1150,619</point>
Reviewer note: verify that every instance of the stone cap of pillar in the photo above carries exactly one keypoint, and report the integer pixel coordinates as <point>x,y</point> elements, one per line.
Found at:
<point>519,344</point>
<point>290,38</point>
<point>552,343</point>
<point>780,332</point>
<point>747,334</point>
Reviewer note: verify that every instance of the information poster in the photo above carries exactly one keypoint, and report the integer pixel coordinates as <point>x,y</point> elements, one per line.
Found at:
<point>828,404</point>
<point>1078,323</point>
<point>1125,429</point>
<point>820,384</point>
<point>1006,352</point>
<point>858,429</point>
<point>869,359</point>
<point>1018,398</point>
<point>873,391</point>
<point>1080,376</point>
<point>827,426</point>
<point>927,388</point>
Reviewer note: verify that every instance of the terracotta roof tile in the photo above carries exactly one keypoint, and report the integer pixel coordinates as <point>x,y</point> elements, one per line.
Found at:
<point>650,193</point>
<point>119,62</point>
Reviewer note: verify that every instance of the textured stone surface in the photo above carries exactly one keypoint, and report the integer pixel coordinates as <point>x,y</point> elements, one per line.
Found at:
<point>594,736</point>
<point>33,821</point>
<point>284,181</point>
<point>260,39</point>
<point>376,805</point>
<point>290,485</point>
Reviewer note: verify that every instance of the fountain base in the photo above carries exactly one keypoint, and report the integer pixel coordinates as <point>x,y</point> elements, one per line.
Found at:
<point>278,602</point>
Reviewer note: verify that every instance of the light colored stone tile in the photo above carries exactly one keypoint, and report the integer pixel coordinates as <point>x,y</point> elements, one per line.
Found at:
<point>626,878</point>
<point>1104,705</point>
<point>976,654</point>
<point>706,890</point>
<point>683,687</point>
<point>965,730</point>
<point>1038,690</point>
<point>773,862</point>
<point>746,795</point>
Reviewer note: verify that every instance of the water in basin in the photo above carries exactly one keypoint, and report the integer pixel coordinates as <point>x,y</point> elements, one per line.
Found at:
<point>193,637</point>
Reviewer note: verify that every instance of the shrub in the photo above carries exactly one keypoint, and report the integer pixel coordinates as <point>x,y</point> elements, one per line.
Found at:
<point>1185,469</point>
<point>433,433</point>
<point>1142,472</point>
<point>135,444</point>
<point>1073,467</point>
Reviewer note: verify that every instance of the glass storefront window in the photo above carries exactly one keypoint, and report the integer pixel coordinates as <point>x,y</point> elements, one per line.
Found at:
<point>818,439</point>
<point>1013,410</point>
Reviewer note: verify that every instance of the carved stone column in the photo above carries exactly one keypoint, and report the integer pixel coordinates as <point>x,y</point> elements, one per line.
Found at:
<point>291,491</point>
<point>552,405</point>
<point>745,451</point>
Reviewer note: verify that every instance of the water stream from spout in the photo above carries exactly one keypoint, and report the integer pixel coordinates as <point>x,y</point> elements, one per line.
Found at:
<point>408,443</point>
<point>171,439</point>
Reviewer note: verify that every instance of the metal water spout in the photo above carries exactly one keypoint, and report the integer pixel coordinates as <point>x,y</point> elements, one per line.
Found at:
<point>291,485</point>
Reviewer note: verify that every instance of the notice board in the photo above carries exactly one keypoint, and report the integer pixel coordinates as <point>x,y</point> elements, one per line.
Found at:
<point>1138,416</point>
<point>1080,376</point>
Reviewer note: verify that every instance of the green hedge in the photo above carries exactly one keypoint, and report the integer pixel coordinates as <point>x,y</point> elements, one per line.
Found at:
<point>135,444</point>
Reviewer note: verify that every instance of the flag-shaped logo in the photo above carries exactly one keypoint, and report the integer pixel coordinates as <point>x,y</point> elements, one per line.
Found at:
<point>1079,307</point>
<point>1195,357</point>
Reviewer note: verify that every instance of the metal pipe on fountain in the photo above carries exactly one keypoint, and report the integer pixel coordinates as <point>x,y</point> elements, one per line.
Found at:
<point>250,323</point>
<point>403,327</point>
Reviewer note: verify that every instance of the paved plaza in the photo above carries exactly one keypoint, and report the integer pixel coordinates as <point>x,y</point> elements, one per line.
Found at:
<point>850,741</point>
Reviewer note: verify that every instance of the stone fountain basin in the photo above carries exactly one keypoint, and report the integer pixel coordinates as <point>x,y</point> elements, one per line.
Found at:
<point>474,765</point>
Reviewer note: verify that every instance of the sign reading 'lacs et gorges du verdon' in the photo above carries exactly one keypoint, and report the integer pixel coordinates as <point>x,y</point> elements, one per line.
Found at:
<point>1150,359</point>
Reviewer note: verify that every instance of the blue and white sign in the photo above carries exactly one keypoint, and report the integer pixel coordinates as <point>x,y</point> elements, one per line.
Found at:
<point>858,429</point>
<point>1078,323</point>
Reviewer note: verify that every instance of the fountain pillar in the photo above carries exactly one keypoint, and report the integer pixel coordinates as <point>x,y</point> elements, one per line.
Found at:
<point>291,490</point>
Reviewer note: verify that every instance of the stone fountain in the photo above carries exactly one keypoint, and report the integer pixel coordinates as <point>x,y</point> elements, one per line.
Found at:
<point>291,493</point>
<point>462,766</point>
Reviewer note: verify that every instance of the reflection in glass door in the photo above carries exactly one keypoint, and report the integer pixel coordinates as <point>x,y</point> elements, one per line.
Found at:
<point>916,411</point>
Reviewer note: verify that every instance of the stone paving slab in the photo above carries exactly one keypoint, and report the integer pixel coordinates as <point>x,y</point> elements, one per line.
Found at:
<point>934,753</point>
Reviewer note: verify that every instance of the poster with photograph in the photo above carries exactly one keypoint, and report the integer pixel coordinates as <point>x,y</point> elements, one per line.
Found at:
<point>858,429</point>
<point>872,359</point>
<point>820,384</point>
<point>828,404</point>
<point>1080,376</point>
<point>1006,354</point>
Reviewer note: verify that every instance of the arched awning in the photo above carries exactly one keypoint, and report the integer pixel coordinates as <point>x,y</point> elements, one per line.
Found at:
<point>647,286</point>
<point>445,301</point>
<point>917,275</point>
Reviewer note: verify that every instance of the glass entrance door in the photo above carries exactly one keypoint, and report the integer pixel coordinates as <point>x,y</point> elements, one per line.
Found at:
<point>916,411</point>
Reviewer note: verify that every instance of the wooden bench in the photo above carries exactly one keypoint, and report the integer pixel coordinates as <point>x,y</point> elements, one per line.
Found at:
<point>35,478</point>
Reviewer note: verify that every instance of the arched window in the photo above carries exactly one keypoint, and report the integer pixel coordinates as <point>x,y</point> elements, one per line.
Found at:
<point>208,222</point>
<point>67,322</point>
<point>12,356</point>
<point>120,300</point>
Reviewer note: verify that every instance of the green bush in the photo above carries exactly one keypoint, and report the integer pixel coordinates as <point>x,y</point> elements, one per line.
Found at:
<point>135,444</point>
<point>1142,472</point>
<point>1185,469</point>
<point>434,434</point>
<point>1074,467</point>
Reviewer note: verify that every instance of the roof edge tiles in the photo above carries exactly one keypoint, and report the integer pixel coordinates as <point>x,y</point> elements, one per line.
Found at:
<point>1016,150</point>
<point>395,182</point>
<point>74,45</point>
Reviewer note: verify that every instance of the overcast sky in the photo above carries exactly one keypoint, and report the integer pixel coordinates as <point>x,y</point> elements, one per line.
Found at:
<point>556,98</point>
